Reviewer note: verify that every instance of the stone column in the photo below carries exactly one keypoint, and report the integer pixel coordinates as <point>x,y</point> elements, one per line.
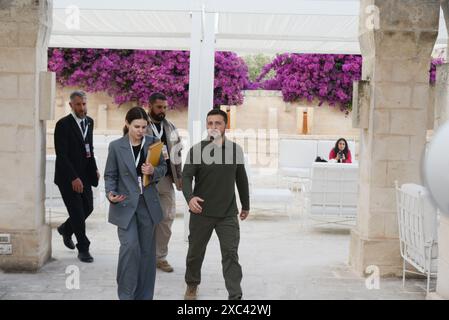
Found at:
<point>443,258</point>
<point>441,96</point>
<point>24,31</point>
<point>442,110</point>
<point>396,38</point>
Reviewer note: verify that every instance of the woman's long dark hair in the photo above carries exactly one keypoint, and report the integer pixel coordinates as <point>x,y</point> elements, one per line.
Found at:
<point>135,113</point>
<point>345,151</point>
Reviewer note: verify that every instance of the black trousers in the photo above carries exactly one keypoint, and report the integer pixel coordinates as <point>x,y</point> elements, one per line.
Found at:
<point>79,207</point>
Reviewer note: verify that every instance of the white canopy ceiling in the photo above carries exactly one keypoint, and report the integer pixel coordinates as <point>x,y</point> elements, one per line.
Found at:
<point>243,26</point>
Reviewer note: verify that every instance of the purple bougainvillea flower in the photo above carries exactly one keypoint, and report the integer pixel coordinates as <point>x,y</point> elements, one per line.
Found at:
<point>132,75</point>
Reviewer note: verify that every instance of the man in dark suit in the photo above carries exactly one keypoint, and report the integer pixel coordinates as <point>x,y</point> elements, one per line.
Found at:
<point>76,172</point>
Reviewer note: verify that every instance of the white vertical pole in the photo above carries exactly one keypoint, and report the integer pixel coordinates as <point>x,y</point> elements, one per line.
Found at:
<point>201,80</point>
<point>202,67</point>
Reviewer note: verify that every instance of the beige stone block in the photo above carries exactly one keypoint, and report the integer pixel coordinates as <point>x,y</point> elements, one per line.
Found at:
<point>409,15</point>
<point>7,206</point>
<point>5,14</point>
<point>8,134</point>
<point>27,86</point>
<point>387,43</point>
<point>443,279</point>
<point>417,147</point>
<point>25,216</point>
<point>355,252</point>
<point>9,86</point>
<point>27,166</point>
<point>23,258</point>
<point>8,34</point>
<point>441,106</point>
<point>28,33</point>
<point>23,112</point>
<point>18,60</point>
<point>381,121</point>
<point>363,209</point>
<point>421,96</point>
<point>443,238</point>
<point>25,139</point>
<point>29,244</point>
<point>402,70</point>
<point>403,172</point>
<point>383,253</point>
<point>387,147</point>
<point>35,243</point>
<point>27,13</point>
<point>8,160</point>
<point>47,95</point>
<point>392,96</point>
<point>431,109</point>
<point>376,223</point>
<point>17,215</point>
<point>382,199</point>
<point>426,42</point>
<point>379,173</point>
<point>391,225</point>
<point>408,122</point>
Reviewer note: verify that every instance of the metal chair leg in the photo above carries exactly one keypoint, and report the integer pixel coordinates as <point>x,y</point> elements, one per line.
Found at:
<point>403,273</point>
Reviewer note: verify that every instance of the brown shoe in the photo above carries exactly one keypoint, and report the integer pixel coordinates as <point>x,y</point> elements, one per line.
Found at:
<point>191,293</point>
<point>164,266</point>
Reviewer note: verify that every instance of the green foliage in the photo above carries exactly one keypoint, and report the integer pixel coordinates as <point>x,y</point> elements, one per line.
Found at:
<point>255,63</point>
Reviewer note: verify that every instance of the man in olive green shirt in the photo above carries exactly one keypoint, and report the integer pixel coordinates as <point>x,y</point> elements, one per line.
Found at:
<point>217,164</point>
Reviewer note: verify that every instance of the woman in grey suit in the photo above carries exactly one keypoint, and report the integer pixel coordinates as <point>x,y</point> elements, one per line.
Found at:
<point>134,209</point>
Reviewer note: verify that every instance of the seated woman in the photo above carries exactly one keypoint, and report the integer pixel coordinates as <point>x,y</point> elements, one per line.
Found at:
<point>341,152</point>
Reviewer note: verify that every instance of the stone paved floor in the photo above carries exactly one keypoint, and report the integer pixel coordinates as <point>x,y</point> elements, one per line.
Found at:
<point>280,260</point>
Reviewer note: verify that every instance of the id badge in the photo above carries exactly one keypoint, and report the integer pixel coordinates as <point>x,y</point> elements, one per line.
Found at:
<point>139,179</point>
<point>165,153</point>
<point>87,146</point>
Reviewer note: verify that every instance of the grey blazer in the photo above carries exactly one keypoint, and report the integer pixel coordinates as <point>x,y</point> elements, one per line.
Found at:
<point>120,176</point>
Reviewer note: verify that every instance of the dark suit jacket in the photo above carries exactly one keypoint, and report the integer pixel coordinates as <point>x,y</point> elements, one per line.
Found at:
<point>71,160</point>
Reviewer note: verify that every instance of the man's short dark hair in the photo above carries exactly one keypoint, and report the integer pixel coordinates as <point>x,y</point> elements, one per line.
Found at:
<point>215,112</point>
<point>157,96</point>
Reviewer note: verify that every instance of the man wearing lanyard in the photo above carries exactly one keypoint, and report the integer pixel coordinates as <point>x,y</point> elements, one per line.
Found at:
<point>165,131</point>
<point>76,172</point>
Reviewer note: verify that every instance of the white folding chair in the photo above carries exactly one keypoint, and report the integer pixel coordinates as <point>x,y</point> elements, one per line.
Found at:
<point>418,223</point>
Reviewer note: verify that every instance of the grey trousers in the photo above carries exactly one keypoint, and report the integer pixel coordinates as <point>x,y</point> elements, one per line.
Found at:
<point>136,272</point>
<point>228,232</point>
<point>168,204</point>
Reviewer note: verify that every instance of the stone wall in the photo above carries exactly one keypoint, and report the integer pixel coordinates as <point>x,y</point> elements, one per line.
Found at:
<point>254,114</point>
<point>24,31</point>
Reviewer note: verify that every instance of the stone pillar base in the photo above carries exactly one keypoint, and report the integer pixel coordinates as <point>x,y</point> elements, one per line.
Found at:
<point>434,296</point>
<point>383,253</point>
<point>443,257</point>
<point>30,250</point>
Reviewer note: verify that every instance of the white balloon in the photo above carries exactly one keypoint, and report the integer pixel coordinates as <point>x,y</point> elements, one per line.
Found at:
<point>436,168</point>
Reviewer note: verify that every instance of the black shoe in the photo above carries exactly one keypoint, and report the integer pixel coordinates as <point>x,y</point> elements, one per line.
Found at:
<point>67,239</point>
<point>85,257</point>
